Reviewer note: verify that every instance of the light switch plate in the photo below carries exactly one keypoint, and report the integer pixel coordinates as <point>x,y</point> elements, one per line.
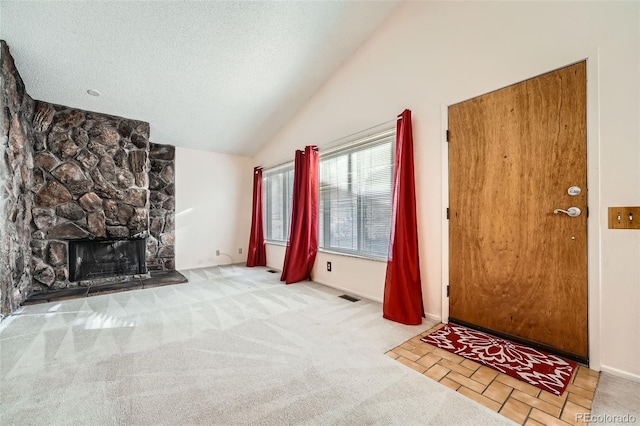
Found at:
<point>624,217</point>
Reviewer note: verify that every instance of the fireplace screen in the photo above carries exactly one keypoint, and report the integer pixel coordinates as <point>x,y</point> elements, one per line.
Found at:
<point>91,259</point>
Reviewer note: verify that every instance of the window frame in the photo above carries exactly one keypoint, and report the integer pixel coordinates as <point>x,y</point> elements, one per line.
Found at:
<point>348,149</point>
<point>267,174</point>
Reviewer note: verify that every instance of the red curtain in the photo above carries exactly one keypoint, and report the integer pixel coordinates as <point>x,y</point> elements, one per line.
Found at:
<point>257,256</point>
<point>402,287</point>
<point>303,236</point>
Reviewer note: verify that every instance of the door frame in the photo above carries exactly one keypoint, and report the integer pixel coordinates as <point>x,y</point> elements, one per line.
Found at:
<point>593,201</point>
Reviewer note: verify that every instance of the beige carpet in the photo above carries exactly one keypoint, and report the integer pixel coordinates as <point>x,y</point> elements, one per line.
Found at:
<point>233,346</point>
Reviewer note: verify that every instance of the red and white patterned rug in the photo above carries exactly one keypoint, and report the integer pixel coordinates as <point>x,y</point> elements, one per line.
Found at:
<point>547,372</point>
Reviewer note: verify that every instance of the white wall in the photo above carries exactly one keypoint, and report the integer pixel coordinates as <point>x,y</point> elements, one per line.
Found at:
<point>213,208</point>
<point>346,272</point>
<point>432,54</point>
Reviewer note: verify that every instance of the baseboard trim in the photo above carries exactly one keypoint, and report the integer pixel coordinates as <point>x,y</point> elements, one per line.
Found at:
<point>433,317</point>
<point>349,291</point>
<point>620,373</point>
<point>239,263</point>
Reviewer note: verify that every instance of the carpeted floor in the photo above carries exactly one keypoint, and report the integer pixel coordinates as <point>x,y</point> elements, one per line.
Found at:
<point>233,346</point>
<point>617,401</point>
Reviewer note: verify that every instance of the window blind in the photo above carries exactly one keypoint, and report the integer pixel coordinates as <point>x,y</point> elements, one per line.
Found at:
<point>355,197</point>
<point>278,191</point>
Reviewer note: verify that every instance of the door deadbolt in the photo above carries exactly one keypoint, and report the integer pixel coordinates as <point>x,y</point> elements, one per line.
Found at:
<point>574,190</point>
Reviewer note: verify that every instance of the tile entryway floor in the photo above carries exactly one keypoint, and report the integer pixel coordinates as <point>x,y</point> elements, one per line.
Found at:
<point>516,400</point>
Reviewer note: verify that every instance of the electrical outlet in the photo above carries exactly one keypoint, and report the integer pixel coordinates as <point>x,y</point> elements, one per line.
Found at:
<point>217,252</point>
<point>329,266</point>
<point>240,251</point>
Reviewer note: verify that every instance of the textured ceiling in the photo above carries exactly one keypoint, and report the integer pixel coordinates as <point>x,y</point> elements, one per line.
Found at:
<point>217,76</point>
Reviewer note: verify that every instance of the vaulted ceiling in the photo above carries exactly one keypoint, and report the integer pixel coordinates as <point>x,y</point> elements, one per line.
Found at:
<point>217,76</point>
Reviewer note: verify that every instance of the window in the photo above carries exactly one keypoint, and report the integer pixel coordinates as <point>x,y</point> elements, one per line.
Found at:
<point>355,197</point>
<point>278,190</point>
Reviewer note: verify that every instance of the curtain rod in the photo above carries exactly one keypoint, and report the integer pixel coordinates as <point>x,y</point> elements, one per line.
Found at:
<point>331,145</point>
<point>358,141</point>
<point>362,131</point>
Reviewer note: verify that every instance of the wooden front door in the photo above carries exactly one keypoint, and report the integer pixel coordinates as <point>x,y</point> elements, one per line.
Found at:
<point>515,266</point>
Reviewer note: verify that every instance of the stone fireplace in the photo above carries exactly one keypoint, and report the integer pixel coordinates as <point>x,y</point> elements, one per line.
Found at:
<point>90,181</point>
<point>78,182</point>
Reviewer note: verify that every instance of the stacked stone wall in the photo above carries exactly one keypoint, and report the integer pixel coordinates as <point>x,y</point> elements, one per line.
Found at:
<point>15,180</point>
<point>160,244</point>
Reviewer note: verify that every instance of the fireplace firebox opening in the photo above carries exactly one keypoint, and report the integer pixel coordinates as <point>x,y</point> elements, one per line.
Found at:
<point>92,259</point>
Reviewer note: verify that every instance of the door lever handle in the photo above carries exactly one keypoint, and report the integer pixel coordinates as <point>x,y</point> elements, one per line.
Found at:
<point>571,211</point>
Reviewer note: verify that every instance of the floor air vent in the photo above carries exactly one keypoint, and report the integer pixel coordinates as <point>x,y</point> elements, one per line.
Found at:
<point>272,271</point>
<point>349,298</point>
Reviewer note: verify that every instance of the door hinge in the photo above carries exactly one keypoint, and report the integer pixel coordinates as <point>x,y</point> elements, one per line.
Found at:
<point>447,136</point>
<point>447,213</point>
<point>447,291</point>
<point>587,211</point>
